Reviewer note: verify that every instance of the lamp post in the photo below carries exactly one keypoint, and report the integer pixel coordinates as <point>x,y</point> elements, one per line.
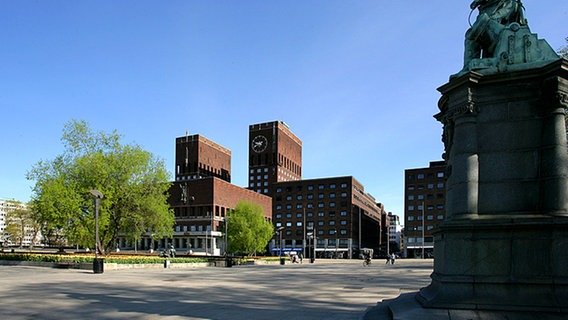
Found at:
<point>98,264</point>
<point>422,229</point>
<point>280,253</point>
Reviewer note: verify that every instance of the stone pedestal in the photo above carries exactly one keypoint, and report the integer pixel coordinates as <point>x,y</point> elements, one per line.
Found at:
<point>503,250</point>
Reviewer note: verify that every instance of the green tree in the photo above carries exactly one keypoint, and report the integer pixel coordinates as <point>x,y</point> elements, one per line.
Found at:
<point>20,222</point>
<point>564,51</point>
<point>248,230</point>
<point>133,181</point>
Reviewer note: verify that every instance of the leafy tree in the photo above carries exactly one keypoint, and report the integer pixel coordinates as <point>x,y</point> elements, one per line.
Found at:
<point>20,222</point>
<point>134,184</point>
<point>248,231</point>
<point>564,51</point>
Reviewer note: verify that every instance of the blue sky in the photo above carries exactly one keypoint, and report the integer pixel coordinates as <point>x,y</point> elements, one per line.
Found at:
<point>354,79</point>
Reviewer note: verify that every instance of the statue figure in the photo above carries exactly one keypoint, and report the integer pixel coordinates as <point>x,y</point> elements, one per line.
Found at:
<point>183,192</point>
<point>494,15</point>
<point>500,39</point>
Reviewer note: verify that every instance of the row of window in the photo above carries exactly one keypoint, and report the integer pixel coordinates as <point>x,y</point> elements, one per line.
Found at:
<point>320,223</point>
<point>439,185</point>
<point>429,217</point>
<point>310,196</point>
<point>310,214</point>
<point>428,196</point>
<point>311,187</point>
<point>421,176</point>
<point>428,207</point>
<point>319,232</point>
<point>418,228</point>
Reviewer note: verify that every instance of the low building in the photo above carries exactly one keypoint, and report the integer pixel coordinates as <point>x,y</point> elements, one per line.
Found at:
<point>337,211</point>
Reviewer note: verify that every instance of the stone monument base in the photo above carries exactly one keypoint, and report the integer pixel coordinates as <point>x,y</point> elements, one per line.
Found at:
<point>407,307</point>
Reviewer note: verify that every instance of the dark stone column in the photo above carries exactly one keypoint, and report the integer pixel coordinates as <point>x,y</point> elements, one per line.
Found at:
<point>504,245</point>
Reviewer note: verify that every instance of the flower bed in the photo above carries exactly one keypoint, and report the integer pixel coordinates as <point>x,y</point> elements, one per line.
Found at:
<point>83,258</point>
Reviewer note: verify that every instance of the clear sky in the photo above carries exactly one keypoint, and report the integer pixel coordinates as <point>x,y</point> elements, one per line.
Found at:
<point>354,79</point>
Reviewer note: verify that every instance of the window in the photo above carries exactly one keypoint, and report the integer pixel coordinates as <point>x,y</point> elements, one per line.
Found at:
<point>343,222</point>
<point>411,187</point>
<point>343,213</point>
<point>332,195</point>
<point>278,216</point>
<point>440,174</point>
<point>420,197</point>
<point>289,215</point>
<point>410,177</point>
<point>410,208</point>
<point>321,214</point>
<point>278,224</point>
<point>299,215</point>
<point>288,224</point>
<point>332,204</point>
<point>430,217</point>
<point>332,186</point>
<point>289,198</point>
<point>429,227</point>
<point>430,186</point>
<point>420,176</point>
<point>289,206</point>
<point>299,224</point>
<point>344,185</point>
<point>440,217</point>
<point>320,196</point>
<point>332,232</point>
<point>411,197</point>
<point>278,207</point>
<point>331,222</point>
<point>320,223</point>
<point>321,187</point>
<point>310,214</point>
<point>310,205</point>
<point>410,218</point>
<point>299,197</point>
<point>299,206</point>
<point>440,185</point>
<point>310,187</point>
<point>310,196</point>
<point>344,194</point>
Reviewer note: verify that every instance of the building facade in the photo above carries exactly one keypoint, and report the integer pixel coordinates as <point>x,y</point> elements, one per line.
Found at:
<point>425,196</point>
<point>201,197</point>
<point>395,233</point>
<point>198,157</point>
<point>275,155</point>
<point>337,211</point>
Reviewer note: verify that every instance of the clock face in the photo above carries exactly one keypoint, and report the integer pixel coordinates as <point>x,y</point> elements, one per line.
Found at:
<point>259,143</point>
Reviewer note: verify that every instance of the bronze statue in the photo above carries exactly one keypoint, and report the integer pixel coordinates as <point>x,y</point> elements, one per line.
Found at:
<point>494,15</point>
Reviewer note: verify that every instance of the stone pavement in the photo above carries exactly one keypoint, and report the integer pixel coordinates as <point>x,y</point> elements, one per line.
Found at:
<point>339,289</point>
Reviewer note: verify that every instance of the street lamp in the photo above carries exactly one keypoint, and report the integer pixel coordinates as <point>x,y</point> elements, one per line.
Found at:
<point>279,230</point>
<point>98,264</point>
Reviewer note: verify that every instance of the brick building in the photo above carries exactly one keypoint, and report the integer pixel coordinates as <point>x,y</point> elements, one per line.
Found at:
<point>198,157</point>
<point>343,217</point>
<point>275,155</point>
<point>424,207</point>
<point>201,196</point>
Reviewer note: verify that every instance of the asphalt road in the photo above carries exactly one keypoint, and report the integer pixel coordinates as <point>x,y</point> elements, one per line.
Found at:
<point>323,290</point>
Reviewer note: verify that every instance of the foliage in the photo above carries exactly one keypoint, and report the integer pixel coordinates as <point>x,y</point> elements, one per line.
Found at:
<point>564,51</point>
<point>120,259</point>
<point>134,184</point>
<point>248,231</point>
<point>20,222</point>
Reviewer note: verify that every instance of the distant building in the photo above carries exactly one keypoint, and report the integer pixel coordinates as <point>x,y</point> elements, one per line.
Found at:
<point>275,155</point>
<point>343,217</point>
<point>31,236</point>
<point>201,198</point>
<point>198,157</point>
<point>395,233</point>
<point>424,201</point>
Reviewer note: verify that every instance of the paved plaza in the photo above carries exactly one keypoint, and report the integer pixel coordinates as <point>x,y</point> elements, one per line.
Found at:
<point>323,290</point>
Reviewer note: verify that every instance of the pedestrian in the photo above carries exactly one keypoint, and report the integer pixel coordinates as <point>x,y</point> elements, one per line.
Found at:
<point>388,259</point>
<point>393,258</point>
